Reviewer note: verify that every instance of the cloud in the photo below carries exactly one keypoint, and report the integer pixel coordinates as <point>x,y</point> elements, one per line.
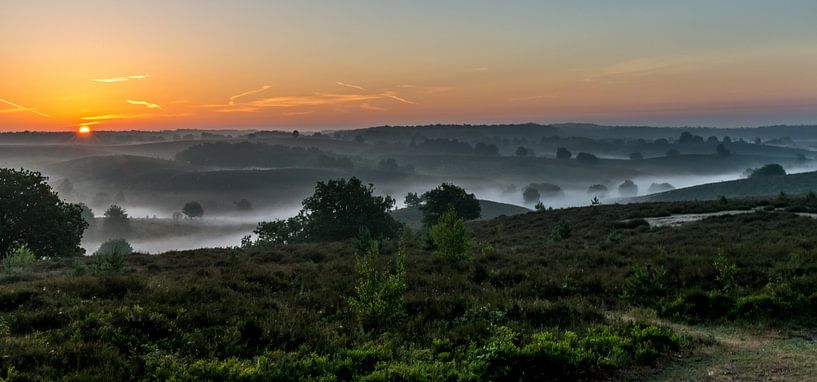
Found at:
<point>368,106</point>
<point>113,116</point>
<point>121,79</point>
<point>87,124</point>
<point>18,108</point>
<point>294,113</point>
<point>394,96</point>
<point>533,98</point>
<point>351,86</point>
<point>476,70</point>
<point>237,96</point>
<point>145,103</point>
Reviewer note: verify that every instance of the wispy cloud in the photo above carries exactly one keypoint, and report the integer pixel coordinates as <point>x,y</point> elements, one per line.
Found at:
<point>146,104</point>
<point>533,97</point>
<point>476,70</point>
<point>121,79</point>
<point>394,96</point>
<point>237,96</point>
<point>88,124</point>
<point>113,116</point>
<point>18,108</point>
<point>351,86</point>
<point>368,106</point>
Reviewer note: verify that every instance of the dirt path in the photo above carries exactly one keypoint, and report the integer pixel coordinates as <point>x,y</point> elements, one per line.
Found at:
<point>739,354</point>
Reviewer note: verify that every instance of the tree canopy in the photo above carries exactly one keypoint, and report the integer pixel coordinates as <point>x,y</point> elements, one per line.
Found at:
<point>32,214</point>
<point>437,200</point>
<point>337,210</point>
<point>772,169</point>
<point>193,209</point>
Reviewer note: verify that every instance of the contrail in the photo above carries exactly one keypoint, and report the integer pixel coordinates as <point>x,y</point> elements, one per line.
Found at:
<point>25,108</point>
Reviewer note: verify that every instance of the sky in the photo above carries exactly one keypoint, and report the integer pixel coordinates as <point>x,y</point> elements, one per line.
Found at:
<point>316,65</point>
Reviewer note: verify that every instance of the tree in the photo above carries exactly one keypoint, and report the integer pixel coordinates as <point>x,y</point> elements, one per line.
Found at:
<point>628,188</point>
<point>32,214</point>
<point>116,220</point>
<point>563,153</point>
<point>587,158</point>
<point>531,195</point>
<point>86,213</point>
<point>193,209</point>
<point>437,200</point>
<point>388,164</point>
<point>673,153</point>
<point>772,169</point>
<point>722,150</point>
<point>539,206</point>
<point>379,295</point>
<point>119,198</point>
<point>597,189</point>
<point>337,210</point>
<point>636,156</point>
<point>412,200</point>
<point>450,237</point>
<point>522,151</point>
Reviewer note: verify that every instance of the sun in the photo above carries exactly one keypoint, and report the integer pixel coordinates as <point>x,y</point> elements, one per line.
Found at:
<point>84,130</point>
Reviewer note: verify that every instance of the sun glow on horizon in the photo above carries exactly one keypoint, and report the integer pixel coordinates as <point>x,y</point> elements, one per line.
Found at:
<point>84,130</point>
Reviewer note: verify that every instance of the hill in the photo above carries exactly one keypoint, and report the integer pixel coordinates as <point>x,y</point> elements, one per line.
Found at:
<point>551,295</point>
<point>414,217</point>
<point>801,183</point>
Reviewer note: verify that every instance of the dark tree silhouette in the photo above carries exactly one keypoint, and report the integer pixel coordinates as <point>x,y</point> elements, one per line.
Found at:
<point>722,150</point>
<point>628,188</point>
<point>636,156</point>
<point>673,153</point>
<point>338,210</point>
<point>587,158</point>
<point>32,214</point>
<point>412,200</point>
<point>563,153</point>
<point>193,209</point>
<point>531,195</point>
<point>772,169</point>
<point>437,200</point>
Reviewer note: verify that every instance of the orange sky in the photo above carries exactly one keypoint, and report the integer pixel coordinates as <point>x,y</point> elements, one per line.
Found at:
<point>318,65</point>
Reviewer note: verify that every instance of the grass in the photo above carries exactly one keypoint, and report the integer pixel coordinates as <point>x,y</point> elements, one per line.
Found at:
<point>524,300</point>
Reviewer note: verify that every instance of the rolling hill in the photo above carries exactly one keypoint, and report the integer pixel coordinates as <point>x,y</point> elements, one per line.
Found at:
<point>755,187</point>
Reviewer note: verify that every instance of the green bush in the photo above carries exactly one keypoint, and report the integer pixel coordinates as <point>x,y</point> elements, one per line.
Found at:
<point>450,237</point>
<point>108,262</point>
<point>379,295</point>
<point>120,246</point>
<point>560,231</point>
<point>18,260</point>
<point>726,273</point>
<point>645,286</point>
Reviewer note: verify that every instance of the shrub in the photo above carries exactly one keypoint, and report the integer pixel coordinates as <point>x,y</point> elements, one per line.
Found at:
<point>18,260</point>
<point>530,195</point>
<point>726,273</point>
<point>560,231</point>
<point>379,295</point>
<point>108,262</point>
<point>193,209</point>
<point>772,169</point>
<point>450,237</point>
<point>645,286</point>
<point>120,246</point>
<point>437,201</point>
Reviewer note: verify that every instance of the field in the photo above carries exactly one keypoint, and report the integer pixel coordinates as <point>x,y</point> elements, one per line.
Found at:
<point>593,293</point>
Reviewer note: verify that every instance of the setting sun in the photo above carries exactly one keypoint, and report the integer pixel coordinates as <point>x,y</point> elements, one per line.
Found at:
<point>84,130</point>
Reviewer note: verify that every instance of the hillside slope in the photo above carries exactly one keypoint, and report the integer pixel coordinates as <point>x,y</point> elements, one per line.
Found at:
<point>790,184</point>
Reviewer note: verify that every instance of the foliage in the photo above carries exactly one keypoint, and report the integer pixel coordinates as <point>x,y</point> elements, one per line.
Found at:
<point>18,259</point>
<point>726,272</point>
<point>530,195</point>
<point>379,295</point>
<point>628,188</point>
<point>450,237</point>
<point>563,153</point>
<point>412,200</point>
<point>645,286</point>
<point>539,206</point>
<point>116,220</point>
<point>120,246</point>
<point>636,156</point>
<point>522,151</point>
<point>193,209</point>
<point>249,154</point>
<point>560,231</point>
<point>243,205</point>
<point>437,201</point>
<point>336,211</point>
<point>722,150</point>
<point>772,169</point>
<point>586,158</point>
<point>32,213</point>
<point>597,190</point>
<point>107,263</point>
